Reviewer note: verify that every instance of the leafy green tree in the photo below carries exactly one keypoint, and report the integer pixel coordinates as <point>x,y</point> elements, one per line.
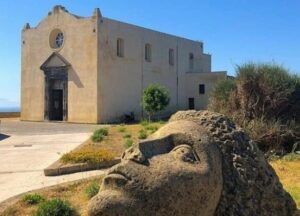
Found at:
<point>155,98</point>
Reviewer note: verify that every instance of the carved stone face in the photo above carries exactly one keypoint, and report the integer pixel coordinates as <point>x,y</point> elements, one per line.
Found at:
<point>177,171</point>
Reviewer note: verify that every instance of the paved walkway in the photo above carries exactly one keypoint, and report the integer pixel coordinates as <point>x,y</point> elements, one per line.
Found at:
<point>26,148</point>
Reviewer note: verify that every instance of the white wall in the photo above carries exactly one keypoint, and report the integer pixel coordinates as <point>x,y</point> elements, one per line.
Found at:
<point>122,80</point>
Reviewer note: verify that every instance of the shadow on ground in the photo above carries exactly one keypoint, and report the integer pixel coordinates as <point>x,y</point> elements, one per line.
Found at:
<point>3,136</point>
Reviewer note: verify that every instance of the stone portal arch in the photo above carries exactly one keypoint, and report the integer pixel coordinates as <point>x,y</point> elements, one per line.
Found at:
<point>56,88</point>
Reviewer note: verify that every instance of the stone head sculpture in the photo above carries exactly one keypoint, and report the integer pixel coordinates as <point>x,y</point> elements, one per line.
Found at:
<point>199,164</point>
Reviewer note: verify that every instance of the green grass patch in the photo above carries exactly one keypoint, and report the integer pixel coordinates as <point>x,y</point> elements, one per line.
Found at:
<point>33,199</point>
<point>127,135</point>
<point>142,134</point>
<point>87,155</point>
<point>55,207</point>
<point>128,143</point>
<point>99,134</point>
<point>92,189</point>
<point>151,128</point>
<point>122,129</point>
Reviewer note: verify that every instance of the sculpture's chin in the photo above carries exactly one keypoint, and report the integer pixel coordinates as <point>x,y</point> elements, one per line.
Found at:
<point>111,202</point>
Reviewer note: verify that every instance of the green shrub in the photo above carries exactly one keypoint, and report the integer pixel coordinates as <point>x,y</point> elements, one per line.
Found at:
<point>55,207</point>
<point>265,100</point>
<point>128,143</point>
<point>99,134</point>
<point>92,189</point>
<point>32,199</point>
<point>122,129</point>
<point>143,134</point>
<point>87,155</point>
<point>127,135</point>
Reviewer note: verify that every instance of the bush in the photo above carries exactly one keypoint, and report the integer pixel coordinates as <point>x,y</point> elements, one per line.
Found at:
<point>127,135</point>
<point>87,155</point>
<point>155,98</point>
<point>266,90</point>
<point>265,100</point>
<point>99,134</point>
<point>55,207</point>
<point>128,143</point>
<point>143,134</point>
<point>92,189</point>
<point>32,199</point>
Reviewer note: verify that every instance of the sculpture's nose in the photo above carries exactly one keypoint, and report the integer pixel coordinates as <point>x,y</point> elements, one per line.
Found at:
<point>134,154</point>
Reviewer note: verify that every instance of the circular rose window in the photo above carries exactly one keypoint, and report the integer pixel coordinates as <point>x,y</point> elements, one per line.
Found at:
<point>56,39</point>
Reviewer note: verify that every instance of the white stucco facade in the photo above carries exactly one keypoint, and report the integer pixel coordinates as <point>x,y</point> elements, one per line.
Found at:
<point>101,84</point>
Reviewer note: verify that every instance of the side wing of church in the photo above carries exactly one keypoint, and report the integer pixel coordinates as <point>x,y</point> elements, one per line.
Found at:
<point>94,70</point>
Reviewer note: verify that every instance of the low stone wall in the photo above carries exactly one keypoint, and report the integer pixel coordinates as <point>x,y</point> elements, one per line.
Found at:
<point>58,168</point>
<point>10,114</point>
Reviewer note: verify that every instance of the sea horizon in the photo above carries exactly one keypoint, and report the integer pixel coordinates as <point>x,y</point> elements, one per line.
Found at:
<point>10,109</point>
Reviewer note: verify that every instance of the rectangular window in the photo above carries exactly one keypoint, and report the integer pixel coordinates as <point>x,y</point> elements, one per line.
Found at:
<point>191,103</point>
<point>191,61</point>
<point>201,89</point>
<point>148,54</point>
<point>171,57</point>
<point>120,47</point>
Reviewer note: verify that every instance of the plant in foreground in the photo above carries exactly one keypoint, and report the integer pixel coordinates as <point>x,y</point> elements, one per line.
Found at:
<point>55,207</point>
<point>99,134</point>
<point>122,129</point>
<point>92,189</point>
<point>32,199</point>
<point>143,134</point>
<point>127,135</point>
<point>128,143</point>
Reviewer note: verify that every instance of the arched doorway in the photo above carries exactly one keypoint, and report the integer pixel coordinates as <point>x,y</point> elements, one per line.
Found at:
<point>56,88</point>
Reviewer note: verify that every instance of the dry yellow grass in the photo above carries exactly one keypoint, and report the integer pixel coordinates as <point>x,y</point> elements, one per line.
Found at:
<point>289,175</point>
<point>114,143</point>
<point>74,193</point>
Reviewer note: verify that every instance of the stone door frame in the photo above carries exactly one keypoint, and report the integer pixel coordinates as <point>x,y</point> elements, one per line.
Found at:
<point>58,75</point>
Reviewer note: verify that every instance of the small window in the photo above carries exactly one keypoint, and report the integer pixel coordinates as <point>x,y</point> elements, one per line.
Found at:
<point>148,52</point>
<point>201,89</point>
<point>171,57</point>
<point>120,47</point>
<point>191,61</point>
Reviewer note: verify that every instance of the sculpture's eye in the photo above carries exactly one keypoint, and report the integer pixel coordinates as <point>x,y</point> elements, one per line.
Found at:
<point>185,153</point>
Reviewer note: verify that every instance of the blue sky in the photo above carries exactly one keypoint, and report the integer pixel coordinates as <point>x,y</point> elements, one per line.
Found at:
<point>233,31</point>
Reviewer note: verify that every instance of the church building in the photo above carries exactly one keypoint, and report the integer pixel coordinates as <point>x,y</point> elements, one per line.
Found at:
<point>94,69</point>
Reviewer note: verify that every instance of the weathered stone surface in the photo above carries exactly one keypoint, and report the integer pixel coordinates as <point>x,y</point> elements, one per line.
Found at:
<point>200,163</point>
